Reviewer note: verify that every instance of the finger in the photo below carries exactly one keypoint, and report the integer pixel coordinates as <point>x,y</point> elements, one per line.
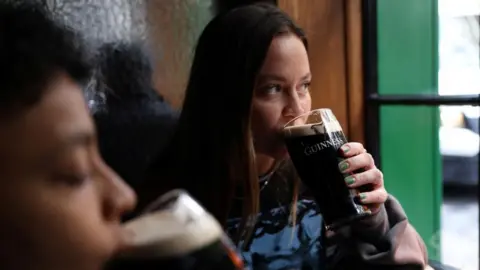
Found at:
<point>361,161</point>
<point>371,177</point>
<point>352,149</point>
<point>374,208</point>
<point>377,196</point>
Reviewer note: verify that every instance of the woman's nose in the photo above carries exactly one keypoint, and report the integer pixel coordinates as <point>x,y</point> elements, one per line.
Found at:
<point>119,198</point>
<point>294,106</point>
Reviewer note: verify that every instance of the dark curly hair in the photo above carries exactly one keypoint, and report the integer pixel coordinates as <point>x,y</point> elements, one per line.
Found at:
<point>126,70</point>
<point>134,123</point>
<point>33,49</point>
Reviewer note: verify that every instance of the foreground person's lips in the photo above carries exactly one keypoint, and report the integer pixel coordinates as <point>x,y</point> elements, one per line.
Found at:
<point>125,238</point>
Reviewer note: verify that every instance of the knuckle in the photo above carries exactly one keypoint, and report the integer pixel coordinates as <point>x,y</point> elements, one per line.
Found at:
<point>362,158</point>
<point>384,195</point>
<point>360,177</point>
<point>351,161</point>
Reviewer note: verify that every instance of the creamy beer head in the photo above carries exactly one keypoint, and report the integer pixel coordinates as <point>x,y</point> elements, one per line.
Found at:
<point>321,121</point>
<point>168,234</point>
<point>172,226</point>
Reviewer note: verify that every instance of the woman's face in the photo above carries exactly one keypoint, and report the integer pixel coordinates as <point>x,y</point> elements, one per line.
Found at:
<point>281,93</point>
<point>60,205</point>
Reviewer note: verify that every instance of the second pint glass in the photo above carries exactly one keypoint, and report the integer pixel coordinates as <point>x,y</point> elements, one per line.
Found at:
<point>177,233</point>
<point>313,141</point>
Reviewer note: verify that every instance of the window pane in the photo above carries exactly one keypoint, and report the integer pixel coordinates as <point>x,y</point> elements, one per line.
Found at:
<point>459,73</point>
<point>459,47</point>
<point>459,148</point>
<point>103,21</point>
<point>172,28</point>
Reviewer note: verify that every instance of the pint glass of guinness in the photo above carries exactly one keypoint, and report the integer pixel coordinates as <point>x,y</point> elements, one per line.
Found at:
<point>313,141</point>
<point>176,233</point>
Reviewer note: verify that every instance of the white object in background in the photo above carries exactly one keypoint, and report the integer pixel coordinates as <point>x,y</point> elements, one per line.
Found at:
<point>457,8</point>
<point>459,142</point>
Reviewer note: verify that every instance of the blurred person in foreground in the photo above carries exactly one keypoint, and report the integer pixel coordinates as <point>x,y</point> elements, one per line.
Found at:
<point>60,204</point>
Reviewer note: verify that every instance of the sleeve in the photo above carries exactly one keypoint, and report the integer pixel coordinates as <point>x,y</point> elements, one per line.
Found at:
<point>386,239</point>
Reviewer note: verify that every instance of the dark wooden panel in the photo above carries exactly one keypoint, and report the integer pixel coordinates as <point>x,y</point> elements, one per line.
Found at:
<point>355,93</point>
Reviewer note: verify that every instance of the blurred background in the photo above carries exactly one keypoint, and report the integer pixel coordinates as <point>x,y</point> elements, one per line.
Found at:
<point>402,76</point>
<point>459,74</point>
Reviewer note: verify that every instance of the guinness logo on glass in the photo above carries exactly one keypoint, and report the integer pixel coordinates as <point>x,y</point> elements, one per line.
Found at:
<point>315,148</point>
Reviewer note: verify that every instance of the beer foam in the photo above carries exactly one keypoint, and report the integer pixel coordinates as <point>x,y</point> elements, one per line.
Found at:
<point>165,234</point>
<point>312,129</point>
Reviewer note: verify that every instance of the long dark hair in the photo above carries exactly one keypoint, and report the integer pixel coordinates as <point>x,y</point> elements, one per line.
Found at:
<point>212,151</point>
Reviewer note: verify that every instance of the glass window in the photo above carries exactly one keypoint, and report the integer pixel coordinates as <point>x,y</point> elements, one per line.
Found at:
<point>459,74</point>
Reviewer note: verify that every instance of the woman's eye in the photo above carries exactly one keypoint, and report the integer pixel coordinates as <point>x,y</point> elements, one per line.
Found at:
<point>305,87</point>
<point>272,89</point>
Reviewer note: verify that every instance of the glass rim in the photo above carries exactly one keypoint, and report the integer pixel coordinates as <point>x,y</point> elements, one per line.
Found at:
<point>304,114</point>
<point>173,194</point>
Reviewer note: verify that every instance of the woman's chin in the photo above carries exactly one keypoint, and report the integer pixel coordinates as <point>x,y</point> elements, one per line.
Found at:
<point>277,153</point>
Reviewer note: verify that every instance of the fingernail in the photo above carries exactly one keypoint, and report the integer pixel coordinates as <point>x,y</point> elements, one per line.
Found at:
<point>349,180</point>
<point>345,149</point>
<point>343,166</point>
<point>362,196</point>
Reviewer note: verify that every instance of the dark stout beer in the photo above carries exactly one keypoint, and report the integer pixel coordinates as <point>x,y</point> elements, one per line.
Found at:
<point>314,150</point>
<point>177,238</point>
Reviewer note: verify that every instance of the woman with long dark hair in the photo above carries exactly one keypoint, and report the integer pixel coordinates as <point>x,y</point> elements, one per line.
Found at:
<point>251,75</point>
